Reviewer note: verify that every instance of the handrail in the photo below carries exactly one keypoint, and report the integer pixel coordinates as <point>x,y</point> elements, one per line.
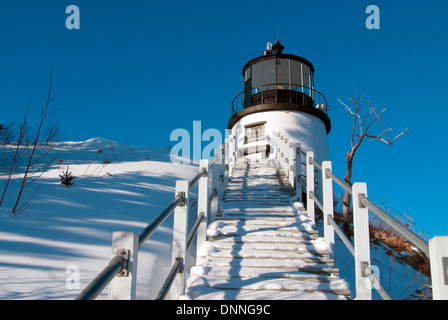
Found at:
<point>377,284</point>
<point>318,203</point>
<point>317,164</point>
<point>196,178</point>
<point>416,240</point>
<point>290,157</point>
<point>102,280</point>
<point>194,229</point>
<point>342,235</point>
<point>120,263</point>
<point>151,227</point>
<point>413,238</point>
<point>340,182</point>
<point>175,269</point>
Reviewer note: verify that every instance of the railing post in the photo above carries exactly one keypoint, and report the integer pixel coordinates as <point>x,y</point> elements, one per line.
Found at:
<point>232,153</point>
<point>298,173</point>
<point>218,171</point>
<point>123,286</point>
<point>203,207</point>
<point>180,234</point>
<point>226,162</point>
<point>285,156</point>
<point>291,162</point>
<point>309,184</point>
<point>280,149</point>
<point>327,202</point>
<point>438,254</point>
<point>361,242</point>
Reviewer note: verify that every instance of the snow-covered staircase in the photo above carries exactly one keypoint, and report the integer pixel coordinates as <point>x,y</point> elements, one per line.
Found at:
<point>262,245</point>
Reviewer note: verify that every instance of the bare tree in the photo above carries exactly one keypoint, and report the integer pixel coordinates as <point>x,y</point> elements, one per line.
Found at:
<point>363,125</point>
<point>28,143</point>
<point>16,151</point>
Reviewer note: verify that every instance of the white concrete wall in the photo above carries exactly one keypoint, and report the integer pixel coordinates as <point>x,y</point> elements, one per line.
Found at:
<point>303,128</point>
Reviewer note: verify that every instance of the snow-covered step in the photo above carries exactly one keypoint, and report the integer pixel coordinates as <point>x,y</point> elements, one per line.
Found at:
<point>229,272</point>
<point>304,265</point>
<point>264,239</point>
<point>337,287</point>
<point>199,291</point>
<point>293,230</point>
<point>262,244</point>
<point>308,257</point>
<point>295,247</point>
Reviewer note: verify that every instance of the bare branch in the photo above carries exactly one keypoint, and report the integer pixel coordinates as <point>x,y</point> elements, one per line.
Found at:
<point>363,123</point>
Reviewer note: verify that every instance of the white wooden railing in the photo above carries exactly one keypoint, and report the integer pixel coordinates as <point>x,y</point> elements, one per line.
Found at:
<point>289,155</point>
<point>121,272</point>
<point>212,178</point>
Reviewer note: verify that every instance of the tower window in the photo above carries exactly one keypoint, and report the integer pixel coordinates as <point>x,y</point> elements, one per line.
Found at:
<point>254,132</point>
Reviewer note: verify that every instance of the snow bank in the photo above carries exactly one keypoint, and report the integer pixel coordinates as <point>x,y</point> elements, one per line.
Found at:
<point>66,230</point>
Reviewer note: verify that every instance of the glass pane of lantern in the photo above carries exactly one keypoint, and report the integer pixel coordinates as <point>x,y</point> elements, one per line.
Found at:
<point>247,74</point>
<point>269,76</point>
<point>296,77</point>
<point>306,79</point>
<point>256,75</point>
<point>283,73</point>
<point>306,75</point>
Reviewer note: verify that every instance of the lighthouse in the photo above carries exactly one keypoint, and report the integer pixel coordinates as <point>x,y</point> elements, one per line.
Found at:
<point>279,96</point>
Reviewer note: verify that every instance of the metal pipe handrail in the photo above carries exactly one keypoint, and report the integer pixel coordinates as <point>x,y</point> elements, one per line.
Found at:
<point>317,164</point>
<point>416,240</point>
<point>212,195</point>
<point>102,279</point>
<point>193,231</point>
<point>347,187</point>
<point>316,201</point>
<point>150,228</point>
<point>362,207</point>
<point>198,176</point>
<point>119,262</point>
<point>212,162</point>
<point>342,235</point>
<point>175,269</point>
<point>380,289</point>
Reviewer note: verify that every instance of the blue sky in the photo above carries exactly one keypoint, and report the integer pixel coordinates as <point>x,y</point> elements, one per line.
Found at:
<point>137,70</point>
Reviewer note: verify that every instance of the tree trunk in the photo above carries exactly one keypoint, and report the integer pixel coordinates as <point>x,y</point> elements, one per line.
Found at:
<point>347,196</point>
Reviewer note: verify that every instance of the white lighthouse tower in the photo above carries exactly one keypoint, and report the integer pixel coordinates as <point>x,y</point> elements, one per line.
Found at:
<point>279,95</point>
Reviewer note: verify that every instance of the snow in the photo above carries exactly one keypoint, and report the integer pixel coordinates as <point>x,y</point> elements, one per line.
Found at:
<point>70,228</point>
<point>66,230</point>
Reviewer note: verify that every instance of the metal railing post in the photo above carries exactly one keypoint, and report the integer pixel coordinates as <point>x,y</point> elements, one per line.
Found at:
<point>203,207</point>
<point>124,285</point>
<point>438,254</point>
<point>180,234</point>
<point>310,184</point>
<point>327,202</point>
<point>361,242</point>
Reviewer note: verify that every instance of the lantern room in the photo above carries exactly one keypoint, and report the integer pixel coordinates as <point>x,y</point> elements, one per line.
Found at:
<point>279,95</point>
